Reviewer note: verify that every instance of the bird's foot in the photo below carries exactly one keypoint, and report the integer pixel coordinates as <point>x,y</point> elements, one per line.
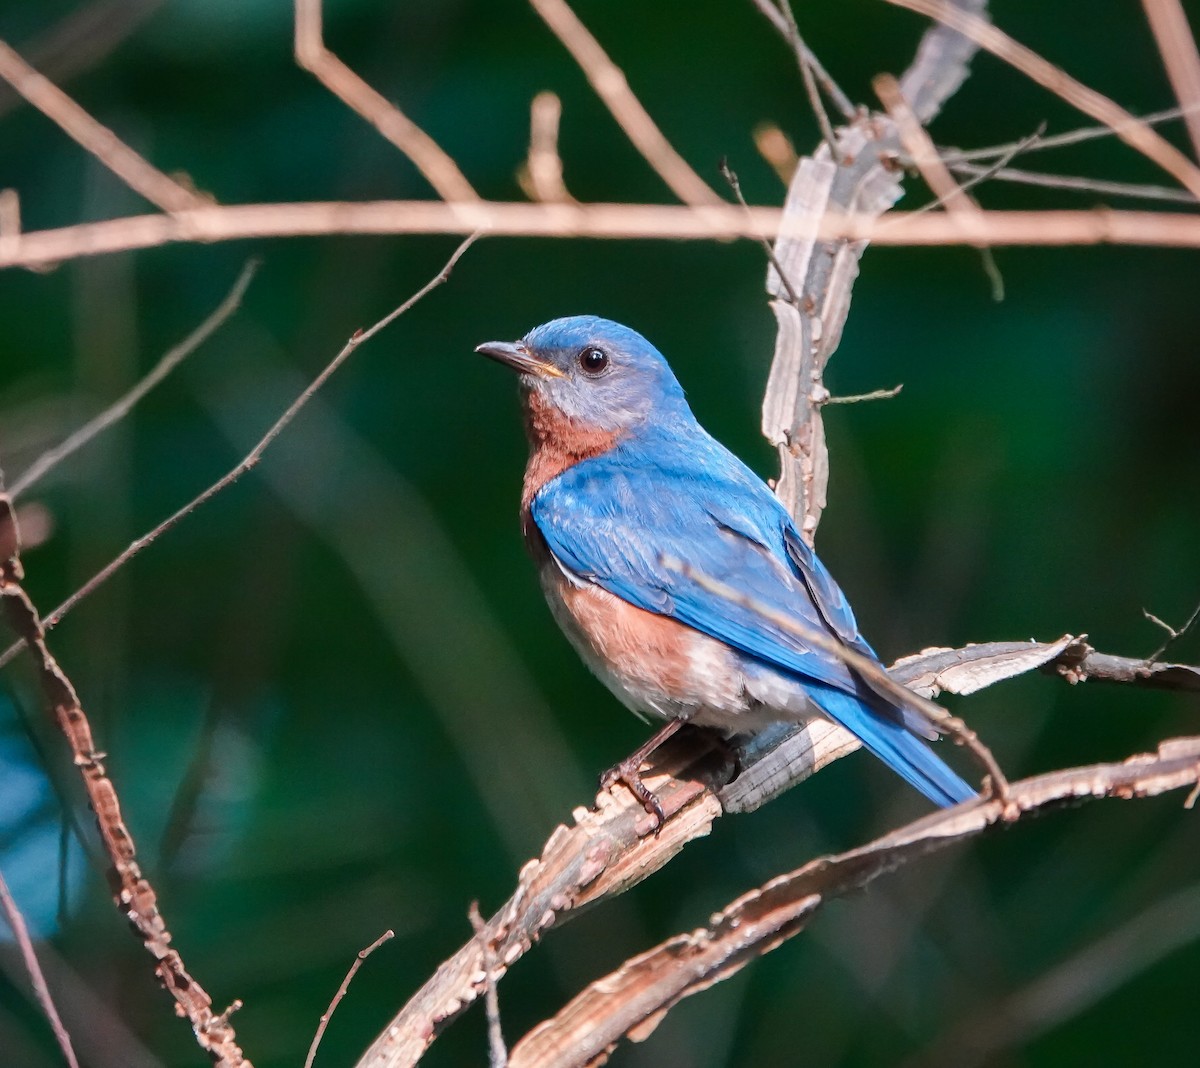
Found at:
<point>629,774</point>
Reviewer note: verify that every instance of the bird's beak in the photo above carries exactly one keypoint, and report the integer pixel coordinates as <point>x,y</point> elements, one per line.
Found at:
<point>519,358</point>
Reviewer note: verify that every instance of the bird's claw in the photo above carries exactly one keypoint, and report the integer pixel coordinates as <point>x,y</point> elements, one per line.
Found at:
<point>628,774</point>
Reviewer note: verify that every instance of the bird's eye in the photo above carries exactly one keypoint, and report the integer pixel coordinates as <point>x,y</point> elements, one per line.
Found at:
<point>593,361</point>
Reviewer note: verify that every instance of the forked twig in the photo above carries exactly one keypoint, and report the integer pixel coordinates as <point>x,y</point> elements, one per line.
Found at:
<point>633,999</point>
<point>248,462</point>
<point>1127,127</point>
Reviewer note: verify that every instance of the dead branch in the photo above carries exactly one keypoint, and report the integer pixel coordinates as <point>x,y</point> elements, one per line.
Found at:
<point>853,178</point>
<point>136,172</point>
<point>393,125</point>
<point>41,990</point>
<point>543,172</point>
<point>631,1001</point>
<point>132,892</point>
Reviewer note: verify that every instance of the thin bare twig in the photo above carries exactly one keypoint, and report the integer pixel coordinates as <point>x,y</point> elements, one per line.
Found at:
<point>425,153</point>
<point>1071,137</point>
<point>249,461</point>
<point>33,969</point>
<point>1129,129</point>
<point>805,58</point>
<point>1075,183</point>
<point>123,405</point>
<point>862,665</point>
<point>497,1050</point>
<point>611,86</point>
<point>924,154</point>
<point>327,1015</point>
<point>134,170</point>
<point>804,55</point>
<point>1177,47</point>
<point>543,166</point>
<point>1173,635</point>
<point>730,176</point>
<point>858,398</point>
<point>632,1000</point>
<point>84,37</point>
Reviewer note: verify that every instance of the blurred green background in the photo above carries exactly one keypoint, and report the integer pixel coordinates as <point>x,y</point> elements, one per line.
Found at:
<point>334,701</point>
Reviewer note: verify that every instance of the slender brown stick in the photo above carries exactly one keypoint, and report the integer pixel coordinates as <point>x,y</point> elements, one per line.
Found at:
<point>123,405</point>
<point>611,86</point>
<point>425,153</point>
<point>37,979</point>
<point>135,171</point>
<point>327,1015</point>
<point>249,461</point>
<point>1177,46</point>
<point>1128,128</point>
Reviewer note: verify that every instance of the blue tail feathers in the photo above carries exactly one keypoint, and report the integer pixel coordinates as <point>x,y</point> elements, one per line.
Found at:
<point>905,754</point>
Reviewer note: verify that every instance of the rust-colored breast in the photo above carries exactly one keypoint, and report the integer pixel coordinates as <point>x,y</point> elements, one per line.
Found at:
<point>557,442</point>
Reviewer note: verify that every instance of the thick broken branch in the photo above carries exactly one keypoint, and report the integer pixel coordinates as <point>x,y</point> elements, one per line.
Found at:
<point>610,848</point>
<point>631,1001</point>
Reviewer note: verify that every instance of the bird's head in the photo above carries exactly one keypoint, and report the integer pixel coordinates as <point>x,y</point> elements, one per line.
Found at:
<point>596,373</point>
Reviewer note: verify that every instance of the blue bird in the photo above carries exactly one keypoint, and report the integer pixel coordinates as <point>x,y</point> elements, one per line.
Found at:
<point>621,479</point>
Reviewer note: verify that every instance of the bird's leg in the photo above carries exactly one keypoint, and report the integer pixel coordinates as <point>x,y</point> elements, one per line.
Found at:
<point>628,771</point>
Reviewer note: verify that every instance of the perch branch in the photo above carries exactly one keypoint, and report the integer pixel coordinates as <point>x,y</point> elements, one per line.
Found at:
<point>631,1001</point>
<point>612,847</point>
<point>393,125</point>
<point>135,171</point>
<point>611,86</point>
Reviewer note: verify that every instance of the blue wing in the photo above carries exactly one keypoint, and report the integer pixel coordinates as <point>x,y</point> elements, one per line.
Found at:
<point>614,518</point>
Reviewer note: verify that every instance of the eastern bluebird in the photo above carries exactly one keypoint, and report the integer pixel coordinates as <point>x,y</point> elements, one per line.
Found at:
<point>620,478</point>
